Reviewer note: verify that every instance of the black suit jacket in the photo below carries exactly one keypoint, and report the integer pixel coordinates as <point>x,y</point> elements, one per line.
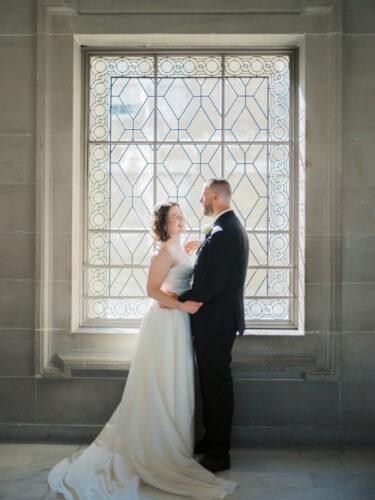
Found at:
<point>219,278</point>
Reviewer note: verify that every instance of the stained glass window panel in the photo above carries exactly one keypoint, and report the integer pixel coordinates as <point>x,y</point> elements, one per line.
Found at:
<point>131,109</point>
<point>267,282</point>
<point>131,186</point>
<point>189,109</point>
<point>102,71</point>
<point>182,171</point>
<point>159,126</point>
<point>246,109</point>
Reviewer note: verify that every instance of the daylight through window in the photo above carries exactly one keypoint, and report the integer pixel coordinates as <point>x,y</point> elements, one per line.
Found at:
<point>158,126</point>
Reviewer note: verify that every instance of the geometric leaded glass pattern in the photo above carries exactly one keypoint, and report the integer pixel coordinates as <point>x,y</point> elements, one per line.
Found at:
<point>158,127</point>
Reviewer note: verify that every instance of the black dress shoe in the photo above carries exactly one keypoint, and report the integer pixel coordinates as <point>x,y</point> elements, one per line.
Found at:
<point>200,448</point>
<point>215,464</point>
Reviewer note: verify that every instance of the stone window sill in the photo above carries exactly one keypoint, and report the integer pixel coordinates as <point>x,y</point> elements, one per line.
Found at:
<point>85,363</point>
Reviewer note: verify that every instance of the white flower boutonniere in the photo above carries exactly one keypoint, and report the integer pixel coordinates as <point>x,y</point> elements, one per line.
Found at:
<point>207,229</point>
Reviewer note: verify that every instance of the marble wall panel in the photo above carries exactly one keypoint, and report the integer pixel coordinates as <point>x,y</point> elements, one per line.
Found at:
<point>17,159</point>
<point>358,301</point>
<point>359,16</point>
<point>17,396</point>
<point>17,104</point>
<point>358,405</point>
<point>17,17</point>
<point>17,303</point>
<point>358,362</point>
<point>358,262</point>
<point>286,403</point>
<point>358,161</point>
<point>17,60</point>
<point>359,51</point>
<point>17,255</point>
<point>358,108</point>
<point>89,401</point>
<point>17,201</point>
<point>358,213</point>
<point>17,352</point>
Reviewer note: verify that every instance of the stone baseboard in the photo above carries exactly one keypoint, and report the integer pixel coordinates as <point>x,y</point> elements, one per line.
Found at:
<point>242,436</point>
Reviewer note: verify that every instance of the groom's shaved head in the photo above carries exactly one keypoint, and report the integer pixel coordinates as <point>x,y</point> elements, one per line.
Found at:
<point>216,196</point>
<point>220,186</point>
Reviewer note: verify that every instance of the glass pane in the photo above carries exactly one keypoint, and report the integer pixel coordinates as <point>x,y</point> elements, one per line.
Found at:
<point>258,249</point>
<point>130,248</point>
<point>278,188</point>
<point>246,109</point>
<point>189,109</point>
<point>131,109</point>
<point>246,170</point>
<point>98,186</point>
<point>118,249</point>
<point>117,281</point>
<point>99,249</point>
<point>267,282</point>
<point>98,281</point>
<point>182,172</point>
<point>102,70</point>
<point>267,309</point>
<point>183,66</point>
<point>268,250</point>
<point>117,308</point>
<point>278,250</point>
<point>275,70</point>
<point>131,186</point>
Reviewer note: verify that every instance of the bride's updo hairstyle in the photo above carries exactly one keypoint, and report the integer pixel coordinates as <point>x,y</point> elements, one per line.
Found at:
<point>159,220</point>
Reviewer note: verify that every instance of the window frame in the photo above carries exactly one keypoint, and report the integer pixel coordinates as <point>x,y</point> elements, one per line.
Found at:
<point>292,325</point>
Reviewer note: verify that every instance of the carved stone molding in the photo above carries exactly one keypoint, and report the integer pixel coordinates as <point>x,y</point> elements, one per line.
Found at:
<point>65,25</point>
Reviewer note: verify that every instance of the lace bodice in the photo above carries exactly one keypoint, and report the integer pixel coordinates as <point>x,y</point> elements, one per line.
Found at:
<point>179,277</point>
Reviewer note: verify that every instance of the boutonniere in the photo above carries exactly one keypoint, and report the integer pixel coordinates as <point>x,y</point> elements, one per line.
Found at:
<point>207,229</point>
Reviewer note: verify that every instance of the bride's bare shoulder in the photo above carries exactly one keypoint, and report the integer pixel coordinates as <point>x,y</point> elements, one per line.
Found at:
<point>162,252</point>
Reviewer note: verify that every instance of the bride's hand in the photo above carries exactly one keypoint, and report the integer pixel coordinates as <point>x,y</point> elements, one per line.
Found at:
<point>192,245</point>
<point>190,306</point>
<point>172,294</point>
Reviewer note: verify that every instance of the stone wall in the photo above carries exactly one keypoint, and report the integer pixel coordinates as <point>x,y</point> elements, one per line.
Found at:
<point>316,388</point>
<point>358,217</point>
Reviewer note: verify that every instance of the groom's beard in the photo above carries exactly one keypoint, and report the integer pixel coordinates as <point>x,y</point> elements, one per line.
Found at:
<point>208,209</point>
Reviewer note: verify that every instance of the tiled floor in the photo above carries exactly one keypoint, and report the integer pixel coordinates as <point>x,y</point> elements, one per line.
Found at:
<point>261,473</point>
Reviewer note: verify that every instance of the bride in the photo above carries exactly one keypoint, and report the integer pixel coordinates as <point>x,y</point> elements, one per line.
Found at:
<point>148,441</point>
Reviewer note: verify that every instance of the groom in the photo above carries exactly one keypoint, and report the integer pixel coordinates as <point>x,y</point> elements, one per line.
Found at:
<point>219,277</point>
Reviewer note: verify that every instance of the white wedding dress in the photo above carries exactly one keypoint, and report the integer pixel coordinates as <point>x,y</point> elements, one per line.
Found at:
<point>147,444</point>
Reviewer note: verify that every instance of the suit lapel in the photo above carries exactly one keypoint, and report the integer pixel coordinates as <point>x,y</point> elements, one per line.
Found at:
<point>218,221</point>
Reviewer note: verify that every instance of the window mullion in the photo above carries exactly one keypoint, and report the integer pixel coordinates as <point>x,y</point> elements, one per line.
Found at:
<point>223,116</point>
<point>155,193</point>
